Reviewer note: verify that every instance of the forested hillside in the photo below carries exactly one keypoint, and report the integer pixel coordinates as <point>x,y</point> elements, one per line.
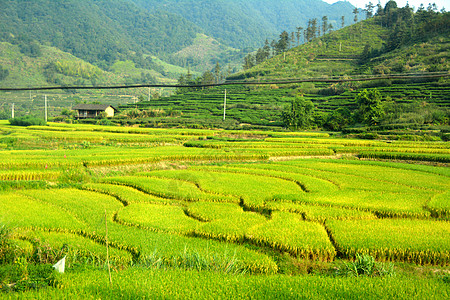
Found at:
<point>247,23</point>
<point>100,32</point>
<point>392,40</point>
<point>144,35</point>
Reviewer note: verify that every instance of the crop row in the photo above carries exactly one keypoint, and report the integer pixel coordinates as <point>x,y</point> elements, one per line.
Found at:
<point>169,188</point>
<point>417,241</point>
<point>75,247</point>
<point>283,232</point>
<point>125,194</point>
<point>439,205</point>
<point>83,213</point>
<point>442,158</point>
<point>383,190</point>
<point>188,158</point>
<point>445,151</point>
<point>402,176</point>
<point>29,175</point>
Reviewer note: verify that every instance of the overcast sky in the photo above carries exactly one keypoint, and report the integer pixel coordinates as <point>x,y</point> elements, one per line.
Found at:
<point>400,3</point>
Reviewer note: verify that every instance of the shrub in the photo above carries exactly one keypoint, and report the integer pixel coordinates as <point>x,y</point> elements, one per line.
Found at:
<point>365,265</point>
<point>368,136</point>
<point>27,121</point>
<point>6,250</point>
<point>300,114</point>
<point>3,73</point>
<point>105,122</point>
<point>446,278</point>
<point>22,276</point>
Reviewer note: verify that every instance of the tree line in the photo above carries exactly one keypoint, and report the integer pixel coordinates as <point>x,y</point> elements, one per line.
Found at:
<point>287,40</point>
<point>405,26</point>
<point>372,109</point>
<point>216,75</point>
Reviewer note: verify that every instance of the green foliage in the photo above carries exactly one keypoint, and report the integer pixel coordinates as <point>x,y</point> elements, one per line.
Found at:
<point>370,106</point>
<point>77,69</point>
<point>365,265</point>
<point>138,283</point>
<point>246,24</point>
<point>415,244</point>
<point>112,30</point>
<point>338,119</point>
<point>6,245</point>
<point>3,73</point>
<point>23,276</point>
<point>16,273</point>
<point>27,121</point>
<point>209,217</point>
<point>30,48</point>
<point>105,122</point>
<point>192,260</point>
<point>299,115</point>
<point>283,43</point>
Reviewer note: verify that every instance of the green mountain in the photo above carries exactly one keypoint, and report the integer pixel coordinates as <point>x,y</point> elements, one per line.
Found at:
<point>414,42</point>
<point>41,65</point>
<point>248,23</point>
<point>100,31</point>
<point>191,34</point>
<point>394,41</point>
<point>104,32</point>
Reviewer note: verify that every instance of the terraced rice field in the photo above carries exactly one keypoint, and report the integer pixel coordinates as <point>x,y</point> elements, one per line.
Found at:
<point>245,197</point>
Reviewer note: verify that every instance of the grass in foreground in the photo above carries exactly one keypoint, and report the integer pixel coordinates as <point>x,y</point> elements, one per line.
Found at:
<point>138,283</point>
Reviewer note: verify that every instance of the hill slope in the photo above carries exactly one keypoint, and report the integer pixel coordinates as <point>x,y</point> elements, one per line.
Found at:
<point>97,31</point>
<point>247,23</point>
<point>364,48</point>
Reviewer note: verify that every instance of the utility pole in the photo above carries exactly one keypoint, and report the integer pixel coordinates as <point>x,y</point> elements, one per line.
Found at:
<point>12,111</point>
<point>149,94</point>
<point>45,108</point>
<point>225,105</point>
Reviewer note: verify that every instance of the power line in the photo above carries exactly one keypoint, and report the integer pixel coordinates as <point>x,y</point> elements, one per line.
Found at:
<point>230,82</point>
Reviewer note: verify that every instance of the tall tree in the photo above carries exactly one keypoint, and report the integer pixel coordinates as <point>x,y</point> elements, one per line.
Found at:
<point>266,49</point>
<point>314,28</point>
<point>182,80</point>
<point>370,107</point>
<point>292,39</point>
<point>208,78</point>
<point>369,10</point>
<point>380,10</point>
<point>307,33</point>
<point>390,6</point>
<point>330,27</point>
<point>283,43</point>
<point>299,115</point>
<point>342,21</point>
<point>299,34</point>
<point>249,61</point>
<point>324,24</point>
<point>217,73</point>
<point>273,44</point>
<point>260,56</point>
<point>355,12</point>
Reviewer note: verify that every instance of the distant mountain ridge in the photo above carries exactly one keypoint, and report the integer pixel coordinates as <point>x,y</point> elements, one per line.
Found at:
<point>191,34</point>
<point>248,23</point>
<point>96,30</point>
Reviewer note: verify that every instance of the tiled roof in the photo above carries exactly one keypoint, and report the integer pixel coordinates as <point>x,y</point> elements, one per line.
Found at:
<point>92,107</point>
